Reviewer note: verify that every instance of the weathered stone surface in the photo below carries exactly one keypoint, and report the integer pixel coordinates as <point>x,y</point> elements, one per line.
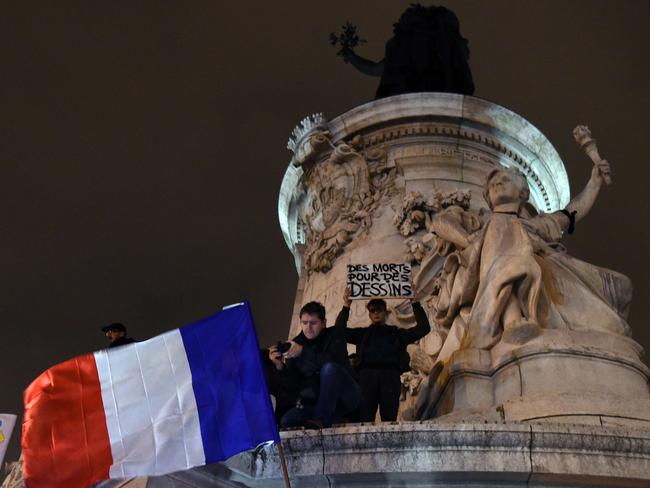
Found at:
<point>565,333</point>
<point>444,454</point>
<point>555,381</point>
<point>590,451</point>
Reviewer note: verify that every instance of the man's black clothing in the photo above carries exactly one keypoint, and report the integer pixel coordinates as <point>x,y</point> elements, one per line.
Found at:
<point>121,341</point>
<point>280,387</point>
<point>382,348</point>
<point>379,388</point>
<point>304,371</point>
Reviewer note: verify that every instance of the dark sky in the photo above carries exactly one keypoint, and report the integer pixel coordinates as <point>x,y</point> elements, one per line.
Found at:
<point>142,146</point>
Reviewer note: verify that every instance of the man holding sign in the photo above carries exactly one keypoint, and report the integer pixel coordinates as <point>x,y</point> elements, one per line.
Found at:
<point>381,355</point>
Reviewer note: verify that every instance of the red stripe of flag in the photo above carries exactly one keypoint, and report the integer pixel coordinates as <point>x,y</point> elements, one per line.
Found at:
<point>65,440</point>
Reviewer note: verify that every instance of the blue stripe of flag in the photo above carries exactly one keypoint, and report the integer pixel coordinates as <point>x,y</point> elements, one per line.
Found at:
<point>231,395</point>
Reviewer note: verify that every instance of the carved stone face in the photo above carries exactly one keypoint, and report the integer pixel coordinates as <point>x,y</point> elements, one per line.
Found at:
<point>505,187</point>
<point>311,325</point>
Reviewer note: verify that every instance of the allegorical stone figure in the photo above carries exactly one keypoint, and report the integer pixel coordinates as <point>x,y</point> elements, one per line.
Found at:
<point>426,54</point>
<point>506,276</point>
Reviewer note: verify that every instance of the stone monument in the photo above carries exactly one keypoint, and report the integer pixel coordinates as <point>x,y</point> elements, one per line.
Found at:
<point>525,335</point>
<point>404,179</point>
<point>426,53</point>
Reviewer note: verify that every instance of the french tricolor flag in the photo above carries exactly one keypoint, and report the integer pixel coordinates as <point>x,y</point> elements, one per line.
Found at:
<point>192,396</point>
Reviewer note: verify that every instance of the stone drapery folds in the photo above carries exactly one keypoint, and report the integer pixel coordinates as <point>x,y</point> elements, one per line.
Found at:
<point>513,280</point>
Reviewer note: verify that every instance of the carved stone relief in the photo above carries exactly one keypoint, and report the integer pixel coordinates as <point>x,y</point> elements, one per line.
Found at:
<point>343,191</point>
<point>346,190</point>
<point>415,215</point>
<point>309,136</point>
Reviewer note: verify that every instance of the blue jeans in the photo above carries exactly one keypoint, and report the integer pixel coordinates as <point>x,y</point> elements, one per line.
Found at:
<point>339,395</point>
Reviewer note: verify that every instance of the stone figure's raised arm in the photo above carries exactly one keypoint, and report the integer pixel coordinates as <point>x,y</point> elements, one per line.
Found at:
<point>582,203</point>
<point>347,40</point>
<point>600,173</point>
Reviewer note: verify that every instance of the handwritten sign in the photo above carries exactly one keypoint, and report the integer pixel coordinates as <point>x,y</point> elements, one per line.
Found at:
<point>386,280</point>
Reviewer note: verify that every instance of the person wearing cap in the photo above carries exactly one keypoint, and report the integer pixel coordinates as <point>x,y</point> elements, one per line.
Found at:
<point>116,335</point>
<point>381,356</point>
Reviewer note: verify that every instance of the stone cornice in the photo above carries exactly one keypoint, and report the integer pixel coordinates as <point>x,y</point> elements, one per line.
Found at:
<point>465,120</point>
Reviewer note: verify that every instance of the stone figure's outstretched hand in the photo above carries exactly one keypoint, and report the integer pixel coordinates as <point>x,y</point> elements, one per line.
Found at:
<point>600,173</point>
<point>347,54</point>
<point>346,41</point>
<point>602,170</point>
<point>582,135</point>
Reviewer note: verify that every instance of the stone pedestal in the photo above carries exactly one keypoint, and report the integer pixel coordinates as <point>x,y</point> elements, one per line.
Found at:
<point>563,376</point>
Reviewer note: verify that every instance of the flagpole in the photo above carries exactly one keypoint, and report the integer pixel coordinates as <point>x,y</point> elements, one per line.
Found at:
<point>283,464</point>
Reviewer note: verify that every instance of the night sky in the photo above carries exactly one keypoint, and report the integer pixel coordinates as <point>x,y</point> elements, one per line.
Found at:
<point>142,146</point>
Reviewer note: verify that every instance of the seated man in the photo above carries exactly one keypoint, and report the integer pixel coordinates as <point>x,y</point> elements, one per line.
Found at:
<point>381,356</point>
<point>317,365</point>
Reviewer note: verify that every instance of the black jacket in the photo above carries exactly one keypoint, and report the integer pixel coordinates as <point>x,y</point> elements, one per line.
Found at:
<point>384,346</point>
<point>304,371</point>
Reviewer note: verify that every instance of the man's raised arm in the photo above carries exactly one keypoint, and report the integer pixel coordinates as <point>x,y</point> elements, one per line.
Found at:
<point>421,328</point>
<point>353,336</point>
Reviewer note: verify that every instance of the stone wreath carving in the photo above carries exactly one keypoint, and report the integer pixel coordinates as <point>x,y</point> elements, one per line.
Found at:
<point>343,191</point>
<point>416,213</point>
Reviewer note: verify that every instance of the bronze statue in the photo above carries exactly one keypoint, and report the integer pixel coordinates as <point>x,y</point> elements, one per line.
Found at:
<point>426,54</point>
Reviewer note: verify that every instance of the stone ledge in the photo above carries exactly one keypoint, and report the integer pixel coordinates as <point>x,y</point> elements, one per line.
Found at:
<point>442,454</point>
